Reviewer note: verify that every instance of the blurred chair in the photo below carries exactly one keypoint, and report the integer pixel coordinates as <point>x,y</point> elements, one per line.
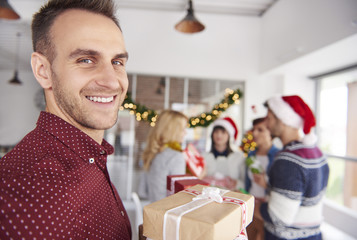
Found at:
<point>138,211</point>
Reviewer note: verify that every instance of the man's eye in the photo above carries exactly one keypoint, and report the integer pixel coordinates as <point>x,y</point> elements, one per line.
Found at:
<point>117,62</point>
<point>85,60</point>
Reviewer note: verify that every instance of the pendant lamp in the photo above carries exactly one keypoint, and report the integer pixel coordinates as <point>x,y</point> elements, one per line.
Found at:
<point>189,24</point>
<point>15,80</point>
<point>6,11</point>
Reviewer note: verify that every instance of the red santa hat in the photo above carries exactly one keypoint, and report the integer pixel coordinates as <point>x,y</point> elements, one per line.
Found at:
<point>294,112</point>
<point>228,124</point>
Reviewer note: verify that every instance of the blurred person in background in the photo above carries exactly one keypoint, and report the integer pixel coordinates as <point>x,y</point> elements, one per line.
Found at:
<point>224,166</point>
<point>163,155</point>
<point>298,176</point>
<point>258,163</point>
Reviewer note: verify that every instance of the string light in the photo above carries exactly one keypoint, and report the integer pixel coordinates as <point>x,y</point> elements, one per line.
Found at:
<point>142,113</point>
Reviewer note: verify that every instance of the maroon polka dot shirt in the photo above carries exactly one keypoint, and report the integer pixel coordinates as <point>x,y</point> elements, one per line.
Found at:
<point>55,185</point>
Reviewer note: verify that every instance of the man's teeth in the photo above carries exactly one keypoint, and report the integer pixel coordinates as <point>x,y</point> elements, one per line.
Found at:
<point>101,99</point>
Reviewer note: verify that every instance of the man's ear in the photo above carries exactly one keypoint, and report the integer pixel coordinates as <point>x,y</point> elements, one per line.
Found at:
<point>41,69</point>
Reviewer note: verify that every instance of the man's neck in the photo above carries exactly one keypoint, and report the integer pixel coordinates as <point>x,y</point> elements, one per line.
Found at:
<point>289,135</point>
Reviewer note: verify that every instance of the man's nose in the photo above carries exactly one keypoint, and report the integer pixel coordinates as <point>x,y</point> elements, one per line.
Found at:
<point>108,77</point>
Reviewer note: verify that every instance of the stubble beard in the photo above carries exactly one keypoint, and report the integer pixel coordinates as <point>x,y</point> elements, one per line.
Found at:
<point>77,114</point>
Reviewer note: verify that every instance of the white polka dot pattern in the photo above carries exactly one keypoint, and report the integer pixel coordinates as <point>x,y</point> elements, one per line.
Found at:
<point>55,185</point>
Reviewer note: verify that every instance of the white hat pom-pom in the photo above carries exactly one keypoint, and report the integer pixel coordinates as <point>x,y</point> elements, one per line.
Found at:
<point>309,139</point>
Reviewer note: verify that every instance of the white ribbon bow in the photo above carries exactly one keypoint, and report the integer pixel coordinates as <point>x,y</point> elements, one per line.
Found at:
<point>212,193</point>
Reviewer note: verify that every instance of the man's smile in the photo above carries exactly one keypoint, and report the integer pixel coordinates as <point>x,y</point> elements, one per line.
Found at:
<point>101,99</point>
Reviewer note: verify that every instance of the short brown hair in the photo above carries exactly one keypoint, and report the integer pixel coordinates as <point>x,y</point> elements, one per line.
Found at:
<point>43,20</point>
<point>258,120</point>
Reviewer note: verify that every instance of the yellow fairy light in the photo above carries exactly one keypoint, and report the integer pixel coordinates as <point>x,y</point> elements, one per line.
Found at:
<point>138,118</point>
<point>215,112</point>
<point>203,115</point>
<point>152,124</point>
<point>126,105</point>
<point>121,108</point>
<point>134,106</point>
<point>209,117</point>
<point>202,122</point>
<point>131,105</point>
<point>131,112</point>
<point>193,123</point>
<point>236,101</point>
<point>225,105</point>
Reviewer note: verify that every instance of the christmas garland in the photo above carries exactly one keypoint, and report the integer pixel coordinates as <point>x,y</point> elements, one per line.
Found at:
<point>247,143</point>
<point>143,113</point>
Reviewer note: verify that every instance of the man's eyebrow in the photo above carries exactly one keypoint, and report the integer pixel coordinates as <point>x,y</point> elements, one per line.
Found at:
<point>88,52</point>
<point>122,55</point>
<point>83,52</point>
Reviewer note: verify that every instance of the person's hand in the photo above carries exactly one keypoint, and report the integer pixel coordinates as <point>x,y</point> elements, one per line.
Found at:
<point>257,213</point>
<point>259,178</point>
<point>203,173</point>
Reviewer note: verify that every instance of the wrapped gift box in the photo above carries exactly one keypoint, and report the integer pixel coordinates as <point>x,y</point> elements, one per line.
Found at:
<point>194,161</point>
<point>176,183</point>
<point>209,221</point>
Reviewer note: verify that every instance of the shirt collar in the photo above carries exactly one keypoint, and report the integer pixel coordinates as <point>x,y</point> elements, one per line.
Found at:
<point>217,154</point>
<point>72,137</point>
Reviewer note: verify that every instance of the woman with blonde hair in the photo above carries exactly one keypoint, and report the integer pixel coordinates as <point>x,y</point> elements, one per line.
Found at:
<point>163,155</point>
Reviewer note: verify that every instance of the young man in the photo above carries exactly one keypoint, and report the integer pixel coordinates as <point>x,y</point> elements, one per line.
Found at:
<point>298,176</point>
<point>54,183</point>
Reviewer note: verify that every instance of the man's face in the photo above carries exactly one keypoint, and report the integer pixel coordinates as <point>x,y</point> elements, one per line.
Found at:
<point>261,134</point>
<point>89,80</point>
<point>275,126</point>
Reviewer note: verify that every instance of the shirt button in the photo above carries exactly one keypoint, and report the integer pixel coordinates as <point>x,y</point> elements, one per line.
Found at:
<point>122,213</point>
<point>102,152</point>
<point>91,160</point>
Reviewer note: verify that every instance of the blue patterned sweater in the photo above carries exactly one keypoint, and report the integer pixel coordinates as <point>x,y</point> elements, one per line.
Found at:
<point>298,179</point>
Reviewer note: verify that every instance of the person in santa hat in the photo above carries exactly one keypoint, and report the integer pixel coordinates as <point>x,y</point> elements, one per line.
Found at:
<point>298,176</point>
<point>225,167</point>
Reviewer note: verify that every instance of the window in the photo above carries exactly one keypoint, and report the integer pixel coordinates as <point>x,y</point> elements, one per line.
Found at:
<point>337,114</point>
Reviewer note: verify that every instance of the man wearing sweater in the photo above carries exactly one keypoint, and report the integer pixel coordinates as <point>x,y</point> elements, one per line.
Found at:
<point>298,176</point>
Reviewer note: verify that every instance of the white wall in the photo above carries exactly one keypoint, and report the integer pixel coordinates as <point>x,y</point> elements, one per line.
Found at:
<point>293,28</point>
<point>227,49</point>
<point>18,112</point>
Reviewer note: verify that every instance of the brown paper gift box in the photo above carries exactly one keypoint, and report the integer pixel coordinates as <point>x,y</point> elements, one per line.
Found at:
<point>214,221</point>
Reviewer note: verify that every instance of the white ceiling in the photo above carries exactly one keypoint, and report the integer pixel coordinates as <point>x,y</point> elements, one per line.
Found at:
<point>26,8</point>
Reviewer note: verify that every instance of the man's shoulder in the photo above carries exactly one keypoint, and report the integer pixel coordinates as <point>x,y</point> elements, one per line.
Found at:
<point>302,155</point>
<point>27,152</point>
